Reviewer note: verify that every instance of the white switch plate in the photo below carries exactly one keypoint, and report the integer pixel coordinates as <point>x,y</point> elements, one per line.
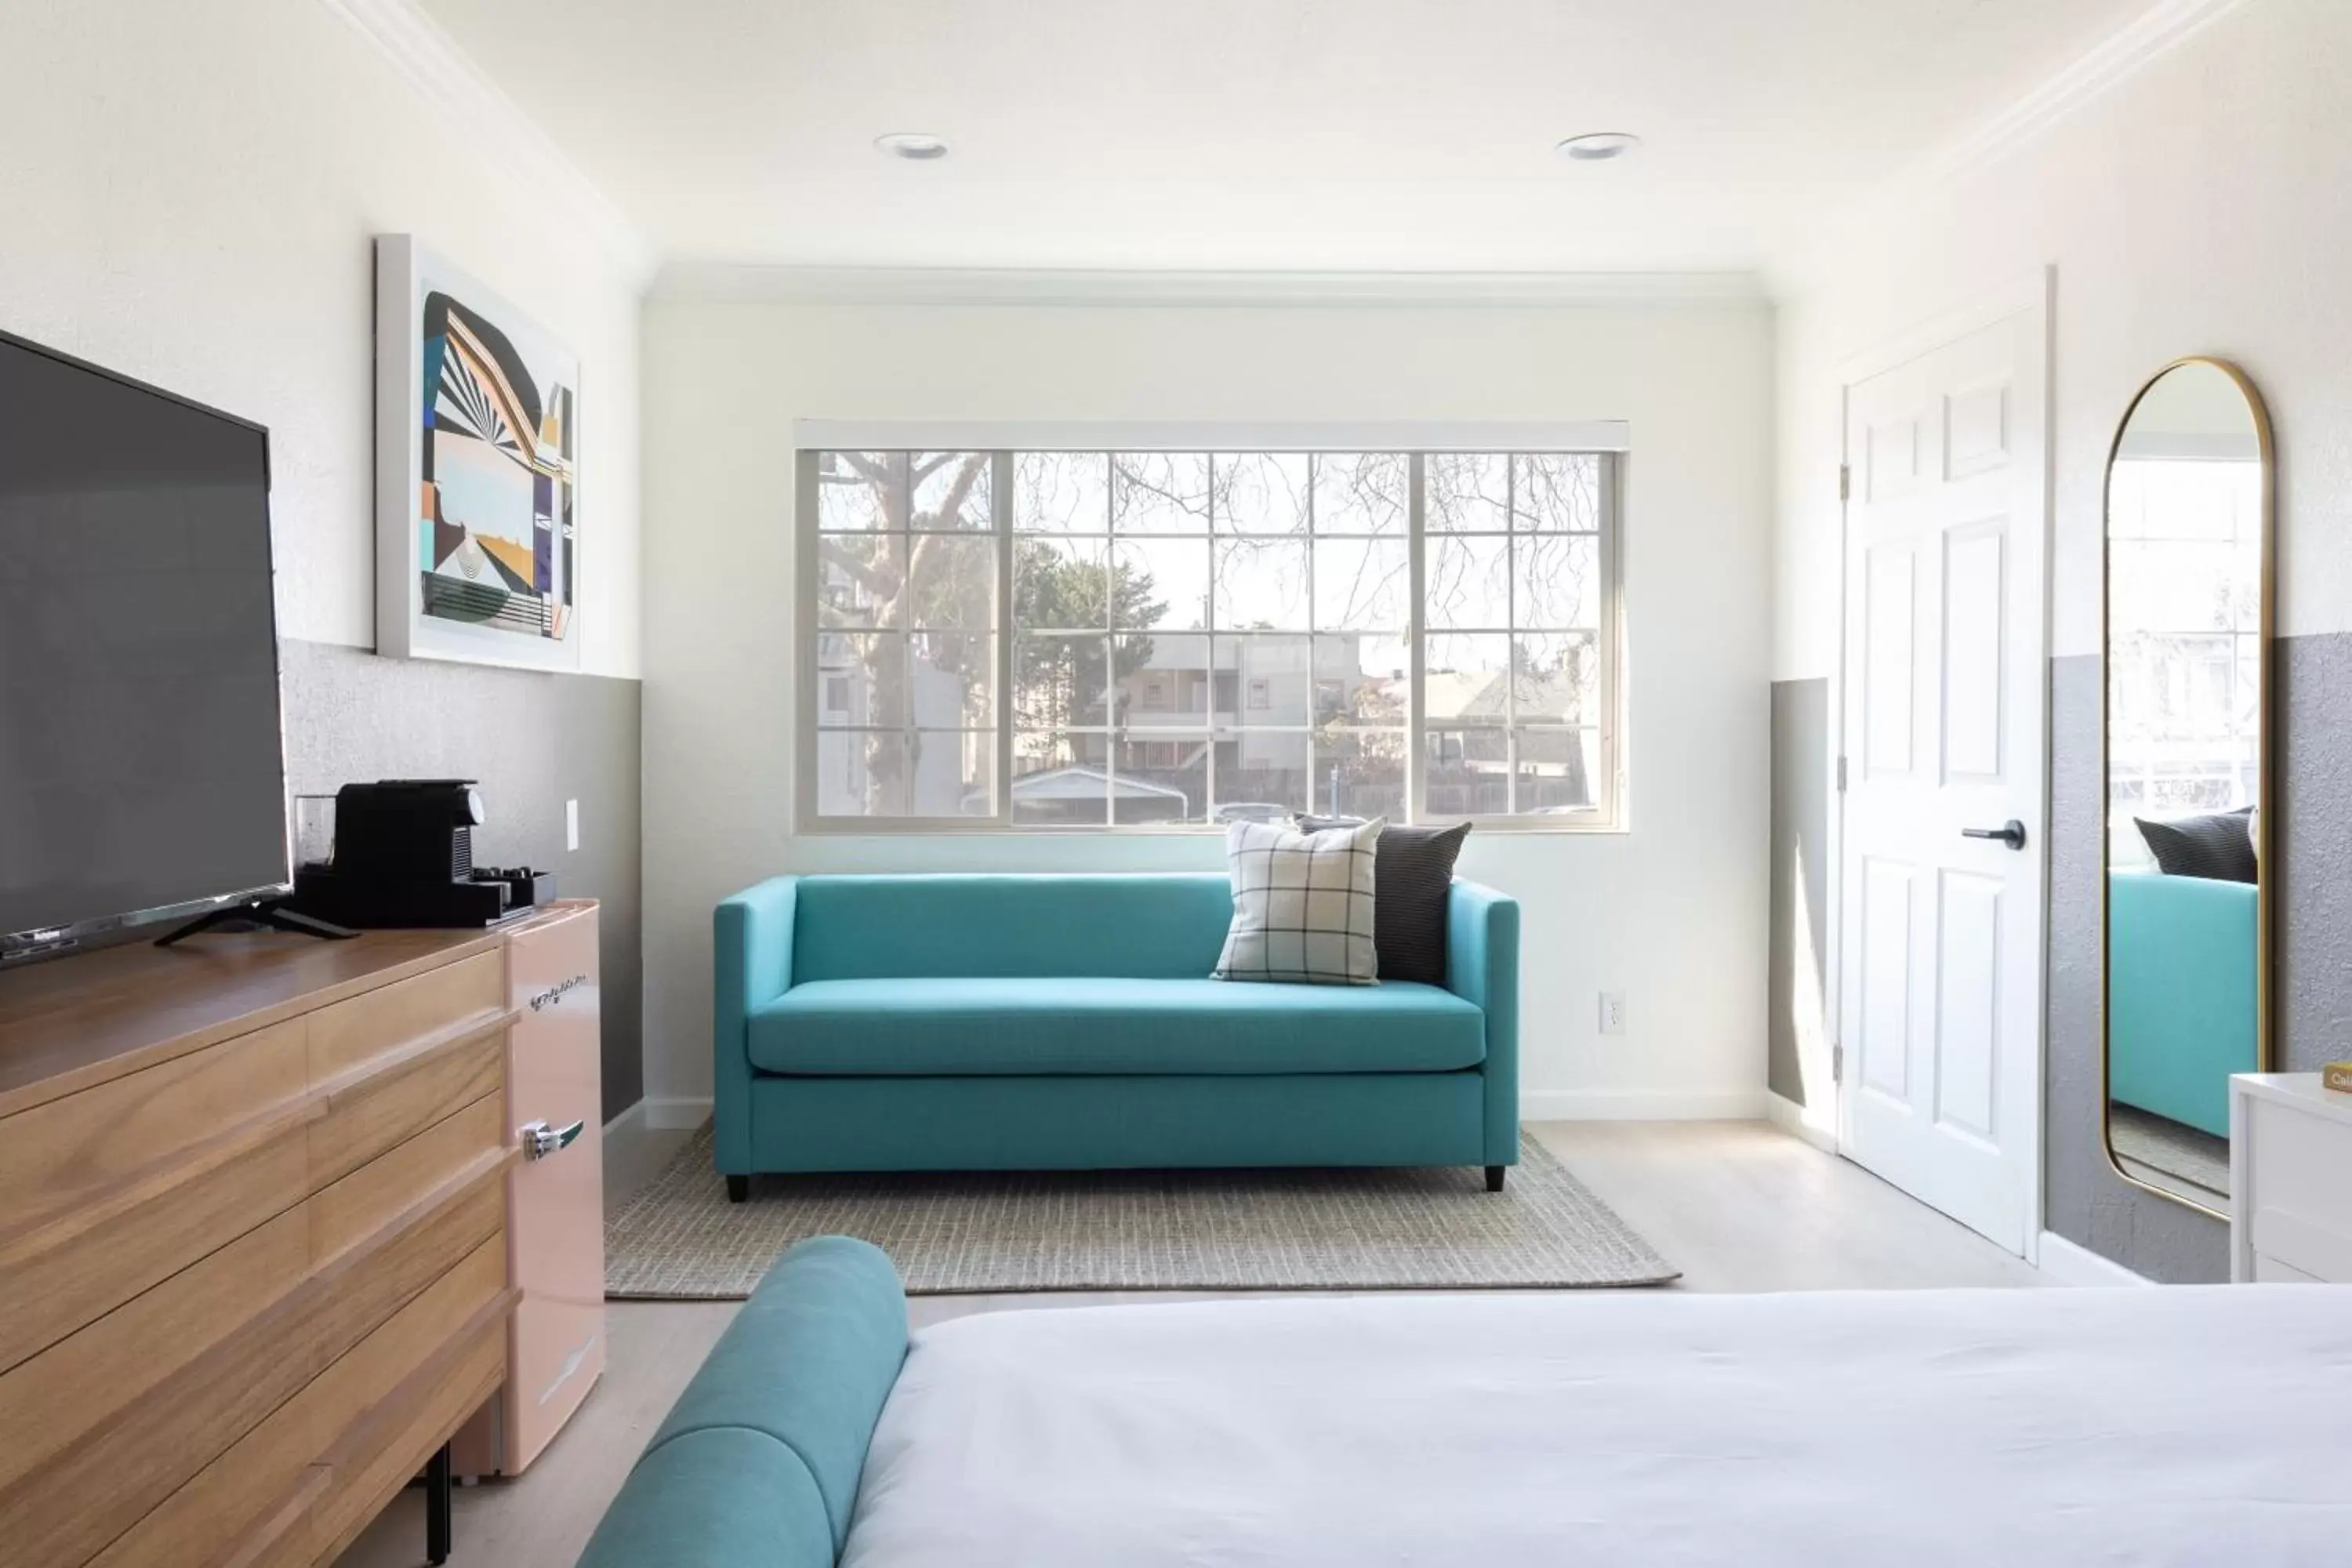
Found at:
<point>1613,1012</point>
<point>572,824</point>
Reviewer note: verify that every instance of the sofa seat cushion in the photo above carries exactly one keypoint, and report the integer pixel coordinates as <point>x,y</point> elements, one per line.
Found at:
<point>950,1028</point>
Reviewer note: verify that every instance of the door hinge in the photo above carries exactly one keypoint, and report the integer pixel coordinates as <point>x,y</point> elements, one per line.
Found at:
<point>1841,775</point>
<point>1845,481</point>
<point>1837,1063</point>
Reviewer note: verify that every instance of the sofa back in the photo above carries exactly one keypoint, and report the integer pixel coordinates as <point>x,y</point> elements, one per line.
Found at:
<point>1144,927</point>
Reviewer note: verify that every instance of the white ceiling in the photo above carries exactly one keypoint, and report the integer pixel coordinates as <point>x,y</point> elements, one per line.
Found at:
<point>1171,134</point>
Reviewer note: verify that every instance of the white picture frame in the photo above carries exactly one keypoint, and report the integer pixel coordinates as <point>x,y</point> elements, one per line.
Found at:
<point>477,496</point>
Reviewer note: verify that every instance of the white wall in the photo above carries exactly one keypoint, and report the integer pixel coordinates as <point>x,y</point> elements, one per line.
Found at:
<point>1672,912</point>
<point>188,193</point>
<point>2199,206</point>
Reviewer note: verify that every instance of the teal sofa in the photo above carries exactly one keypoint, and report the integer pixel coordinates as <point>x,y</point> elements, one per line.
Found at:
<point>757,1465</point>
<point>2181,1001</point>
<point>928,1022</point>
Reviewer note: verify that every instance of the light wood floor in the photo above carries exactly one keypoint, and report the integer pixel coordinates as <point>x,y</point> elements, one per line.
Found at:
<point>1740,1205</point>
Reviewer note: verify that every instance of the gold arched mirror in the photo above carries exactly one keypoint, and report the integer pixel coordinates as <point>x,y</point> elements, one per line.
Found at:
<point>2187,732</point>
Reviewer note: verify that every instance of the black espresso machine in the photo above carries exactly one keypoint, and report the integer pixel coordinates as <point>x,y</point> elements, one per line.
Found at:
<point>404,856</point>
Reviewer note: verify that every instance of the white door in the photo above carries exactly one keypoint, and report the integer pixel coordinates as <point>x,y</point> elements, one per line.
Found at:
<point>1940,954</point>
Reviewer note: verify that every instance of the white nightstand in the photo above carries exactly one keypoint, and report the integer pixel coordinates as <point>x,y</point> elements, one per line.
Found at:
<point>2290,1180</point>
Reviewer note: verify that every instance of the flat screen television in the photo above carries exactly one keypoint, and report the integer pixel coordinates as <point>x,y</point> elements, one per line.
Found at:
<point>142,769</point>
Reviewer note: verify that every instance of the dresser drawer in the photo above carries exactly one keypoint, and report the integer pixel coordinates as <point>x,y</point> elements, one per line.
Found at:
<point>64,1155</point>
<point>67,1507</point>
<point>372,1115</point>
<point>2297,1209</point>
<point>413,1423</point>
<point>58,1277</point>
<point>351,1035</point>
<point>260,1491</point>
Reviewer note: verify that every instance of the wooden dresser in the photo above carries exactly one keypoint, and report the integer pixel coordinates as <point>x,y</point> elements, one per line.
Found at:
<point>253,1239</point>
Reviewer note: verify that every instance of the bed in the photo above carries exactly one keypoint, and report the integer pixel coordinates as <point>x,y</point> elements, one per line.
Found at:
<point>2184,1425</point>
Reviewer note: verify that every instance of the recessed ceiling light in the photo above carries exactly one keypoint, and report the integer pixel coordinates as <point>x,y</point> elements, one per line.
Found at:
<point>912,145</point>
<point>1598,146</point>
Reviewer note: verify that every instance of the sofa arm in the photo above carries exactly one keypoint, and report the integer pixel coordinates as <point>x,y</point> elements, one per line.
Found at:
<point>1482,966</point>
<point>752,954</point>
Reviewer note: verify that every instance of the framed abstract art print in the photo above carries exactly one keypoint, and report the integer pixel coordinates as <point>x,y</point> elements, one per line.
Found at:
<point>478,452</point>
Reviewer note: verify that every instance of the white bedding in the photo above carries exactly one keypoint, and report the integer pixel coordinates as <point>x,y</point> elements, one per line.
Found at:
<point>2076,1426</point>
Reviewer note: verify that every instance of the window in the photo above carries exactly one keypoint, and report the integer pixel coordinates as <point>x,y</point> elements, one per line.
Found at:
<point>1072,638</point>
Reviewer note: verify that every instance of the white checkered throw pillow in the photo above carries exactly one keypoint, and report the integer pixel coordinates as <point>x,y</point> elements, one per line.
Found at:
<point>1302,904</point>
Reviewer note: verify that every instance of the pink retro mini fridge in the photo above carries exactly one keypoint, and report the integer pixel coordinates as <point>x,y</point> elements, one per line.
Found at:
<point>555,1227</point>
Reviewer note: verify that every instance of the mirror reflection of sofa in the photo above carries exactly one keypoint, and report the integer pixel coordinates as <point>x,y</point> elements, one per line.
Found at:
<point>2181,972</point>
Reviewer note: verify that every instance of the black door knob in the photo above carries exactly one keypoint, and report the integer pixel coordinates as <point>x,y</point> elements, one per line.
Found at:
<point>2012,833</point>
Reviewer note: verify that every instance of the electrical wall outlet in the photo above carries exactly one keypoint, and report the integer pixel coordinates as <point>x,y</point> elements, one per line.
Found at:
<point>1613,1012</point>
<point>572,824</point>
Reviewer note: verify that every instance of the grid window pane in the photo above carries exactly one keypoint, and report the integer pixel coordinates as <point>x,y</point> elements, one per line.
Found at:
<point>1466,772</point>
<point>1160,492</point>
<point>1362,584</point>
<point>1556,678</point>
<point>861,579</point>
<point>1061,492</point>
<point>1262,584</point>
<point>1556,580</point>
<point>1058,584</point>
<point>1161,779</point>
<point>1262,492</point>
<point>1264,683</point>
<point>1469,582</point>
<point>1061,780</point>
<point>950,491</point>
<point>1557,493</point>
<point>1061,682</point>
<point>1362,493</point>
<point>1465,681</point>
<point>1163,682</point>
<point>900,773</point>
<point>862,680</point>
<point>1360,681</point>
<point>1262,776</point>
<point>952,579</point>
<point>1554,771</point>
<point>862,492</point>
<point>1466,492</point>
<point>952,682</point>
<point>1160,583</point>
<point>1359,772</point>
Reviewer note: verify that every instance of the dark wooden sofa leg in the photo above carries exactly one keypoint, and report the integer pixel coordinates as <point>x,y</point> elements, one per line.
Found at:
<point>738,1188</point>
<point>1495,1177</point>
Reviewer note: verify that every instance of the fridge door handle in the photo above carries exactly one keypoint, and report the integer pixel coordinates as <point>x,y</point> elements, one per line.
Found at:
<point>538,1140</point>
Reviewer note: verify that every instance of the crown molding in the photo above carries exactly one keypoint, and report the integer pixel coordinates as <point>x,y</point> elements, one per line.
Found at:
<point>432,60</point>
<point>1047,286</point>
<point>2121,55</point>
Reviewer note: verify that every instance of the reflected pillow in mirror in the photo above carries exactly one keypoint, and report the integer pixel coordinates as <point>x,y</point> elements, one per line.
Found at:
<point>2218,846</point>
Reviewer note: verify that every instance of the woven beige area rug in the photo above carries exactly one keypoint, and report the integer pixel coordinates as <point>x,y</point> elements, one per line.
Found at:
<point>1433,1229</point>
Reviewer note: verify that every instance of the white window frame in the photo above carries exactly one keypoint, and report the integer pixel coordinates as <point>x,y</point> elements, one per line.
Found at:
<point>1608,438</point>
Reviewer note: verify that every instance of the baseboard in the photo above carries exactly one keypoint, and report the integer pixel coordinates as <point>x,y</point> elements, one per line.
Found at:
<point>1790,1117</point>
<point>1634,1105</point>
<point>2070,1263</point>
<point>676,1115</point>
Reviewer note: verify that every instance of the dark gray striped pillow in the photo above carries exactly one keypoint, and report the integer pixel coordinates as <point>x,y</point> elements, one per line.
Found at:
<point>1412,869</point>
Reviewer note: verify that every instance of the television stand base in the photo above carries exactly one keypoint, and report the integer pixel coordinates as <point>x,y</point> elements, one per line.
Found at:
<point>267,912</point>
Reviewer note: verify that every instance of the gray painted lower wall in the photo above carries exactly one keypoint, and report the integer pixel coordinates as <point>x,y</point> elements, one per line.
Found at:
<point>534,741</point>
<point>1800,938</point>
<point>2311,843</point>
